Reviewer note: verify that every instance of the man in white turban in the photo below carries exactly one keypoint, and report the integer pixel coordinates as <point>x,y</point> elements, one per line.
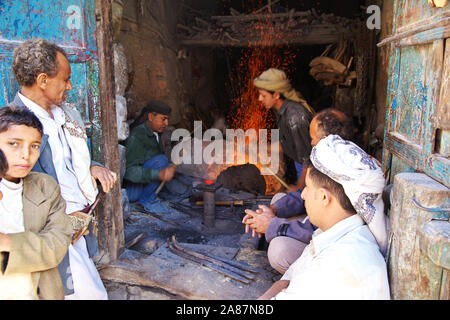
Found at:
<point>344,259</point>
<point>293,114</point>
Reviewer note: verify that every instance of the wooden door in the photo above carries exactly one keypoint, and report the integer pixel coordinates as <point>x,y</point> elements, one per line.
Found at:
<point>417,140</point>
<point>417,120</point>
<point>71,25</point>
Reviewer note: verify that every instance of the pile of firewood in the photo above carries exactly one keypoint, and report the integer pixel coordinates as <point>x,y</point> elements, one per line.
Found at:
<point>240,29</point>
<point>331,70</point>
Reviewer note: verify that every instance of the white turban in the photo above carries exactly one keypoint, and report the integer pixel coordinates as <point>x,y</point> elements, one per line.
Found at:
<point>361,177</point>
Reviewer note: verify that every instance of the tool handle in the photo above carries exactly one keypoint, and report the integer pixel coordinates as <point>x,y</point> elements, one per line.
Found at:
<point>224,203</point>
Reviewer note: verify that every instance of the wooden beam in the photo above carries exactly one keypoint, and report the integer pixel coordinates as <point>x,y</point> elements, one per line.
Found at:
<point>251,17</point>
<point>436,24</point>
<point>320,34</point>
<point>110,215</point>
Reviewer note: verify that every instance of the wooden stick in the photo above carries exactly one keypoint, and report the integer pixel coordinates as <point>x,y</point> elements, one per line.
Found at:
<point>251,17</point>
<point>266,6</point>
<point>278,178</point>
<point>134,240</point>
<point>161,185</point>
<point>234,12</point>
<point>439,23</point>
<point>224,203</point>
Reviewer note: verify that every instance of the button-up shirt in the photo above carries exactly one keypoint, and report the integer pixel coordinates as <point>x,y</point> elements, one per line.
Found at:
<point>343,262</point>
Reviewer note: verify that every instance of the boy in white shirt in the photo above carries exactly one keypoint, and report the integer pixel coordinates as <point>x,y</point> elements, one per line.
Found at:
<point>35,232</point>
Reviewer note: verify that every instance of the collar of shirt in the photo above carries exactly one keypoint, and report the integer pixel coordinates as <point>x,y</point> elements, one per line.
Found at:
<point>283,108</point>
<point>41,112</point>
<point>150,132</point>
<point>322,239</point>
<point>12,185</point>
<point>38,110</point>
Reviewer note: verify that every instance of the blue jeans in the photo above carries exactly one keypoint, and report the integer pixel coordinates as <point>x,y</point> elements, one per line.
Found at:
<point>141,192</point>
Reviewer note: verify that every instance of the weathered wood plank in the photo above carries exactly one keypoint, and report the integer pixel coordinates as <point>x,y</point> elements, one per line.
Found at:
<point>414,30</point>
<point>425,37</point>
<point>110,216</point>
<point>434,241</point>
<point>406,261</point>
<point>312,35</point>
<point>251,17</point>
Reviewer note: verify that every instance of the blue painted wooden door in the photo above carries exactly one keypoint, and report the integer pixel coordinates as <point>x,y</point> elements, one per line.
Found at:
<point>71,25</point>
<point>417,128</point>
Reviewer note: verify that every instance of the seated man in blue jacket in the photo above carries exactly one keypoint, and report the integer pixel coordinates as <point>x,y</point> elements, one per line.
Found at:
<point>286,227</point>
<point>146,164</point>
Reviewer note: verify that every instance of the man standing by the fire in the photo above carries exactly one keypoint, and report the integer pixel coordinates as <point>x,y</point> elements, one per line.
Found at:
<point>293,114</point>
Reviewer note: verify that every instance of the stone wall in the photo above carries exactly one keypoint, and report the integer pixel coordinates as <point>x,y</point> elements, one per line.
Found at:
<point>147,33</point>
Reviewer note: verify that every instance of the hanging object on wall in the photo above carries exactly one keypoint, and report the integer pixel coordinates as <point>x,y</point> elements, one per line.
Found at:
<point>438,3</point>
<point>331,70</point>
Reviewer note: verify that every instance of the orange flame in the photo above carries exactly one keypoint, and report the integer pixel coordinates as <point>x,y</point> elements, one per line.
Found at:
<point>255,60</point>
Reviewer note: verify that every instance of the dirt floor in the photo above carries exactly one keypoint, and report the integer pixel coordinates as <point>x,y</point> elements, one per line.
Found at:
<point>148,270</point>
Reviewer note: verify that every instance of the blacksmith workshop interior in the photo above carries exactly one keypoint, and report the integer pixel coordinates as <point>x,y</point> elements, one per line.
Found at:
<point>200,57</point>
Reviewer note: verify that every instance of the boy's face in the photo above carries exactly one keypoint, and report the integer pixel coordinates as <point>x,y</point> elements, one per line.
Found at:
<point>21,145</point>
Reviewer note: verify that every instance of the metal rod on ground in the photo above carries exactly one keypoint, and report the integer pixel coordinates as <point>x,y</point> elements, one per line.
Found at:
<point>221,264</point>
<point>232,263</point>
<point>278,178</point>
<point>208,264</point>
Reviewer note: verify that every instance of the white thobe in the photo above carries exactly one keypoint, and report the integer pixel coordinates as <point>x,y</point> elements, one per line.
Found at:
<point>86,280</point>
<point>344,262</point>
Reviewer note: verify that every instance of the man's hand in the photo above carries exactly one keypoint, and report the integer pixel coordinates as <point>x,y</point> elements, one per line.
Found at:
<point>246,220</point>
<point>167,174</point>
<point>106,177</point>
<point>5,242</point>
<point>258,220</point>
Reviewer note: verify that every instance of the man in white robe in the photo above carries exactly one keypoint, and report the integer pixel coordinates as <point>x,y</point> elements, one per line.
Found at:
<point>43,72</point>
<point>344,259</point>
